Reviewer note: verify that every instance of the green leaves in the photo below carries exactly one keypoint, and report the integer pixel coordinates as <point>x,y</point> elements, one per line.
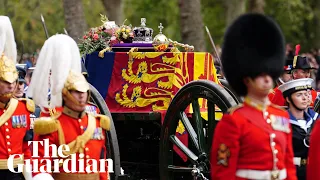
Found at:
<point>297,18</point>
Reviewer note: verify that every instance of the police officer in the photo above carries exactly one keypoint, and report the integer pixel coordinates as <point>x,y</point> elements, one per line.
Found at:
<point>296,94</point>
<point>253,140</point>
<point>19,92</point>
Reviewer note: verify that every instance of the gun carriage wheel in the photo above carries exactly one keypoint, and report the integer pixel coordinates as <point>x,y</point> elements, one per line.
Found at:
<point>112,140</point>
<point>200,131</point>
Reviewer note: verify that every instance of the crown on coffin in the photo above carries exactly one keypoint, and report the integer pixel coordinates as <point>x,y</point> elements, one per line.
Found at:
<point>142,34</point>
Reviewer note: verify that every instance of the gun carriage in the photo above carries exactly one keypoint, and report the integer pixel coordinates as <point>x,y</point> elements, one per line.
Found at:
<point>164,105</point>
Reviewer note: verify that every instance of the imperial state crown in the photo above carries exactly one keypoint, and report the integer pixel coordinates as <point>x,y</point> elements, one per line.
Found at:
<point>142,34</point>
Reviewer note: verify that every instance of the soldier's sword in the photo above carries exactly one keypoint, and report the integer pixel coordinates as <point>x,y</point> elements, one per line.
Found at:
<point>65,31</point>
<point>213,45</point>
<point>44,26</point>
<point>22,51</point>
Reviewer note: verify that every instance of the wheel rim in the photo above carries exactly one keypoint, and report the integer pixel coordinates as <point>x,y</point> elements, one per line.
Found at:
<point>227,88</point>
<point>111,140</point>
<point>200,132</point>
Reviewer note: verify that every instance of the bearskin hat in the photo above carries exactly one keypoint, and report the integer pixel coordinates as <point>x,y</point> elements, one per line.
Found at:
<point>253,45</point>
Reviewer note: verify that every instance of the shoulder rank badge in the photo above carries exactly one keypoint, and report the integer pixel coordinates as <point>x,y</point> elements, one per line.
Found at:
<point>19,121</point>
<point>91,109</point>
<point>223,155</point>
<point>280,123</point>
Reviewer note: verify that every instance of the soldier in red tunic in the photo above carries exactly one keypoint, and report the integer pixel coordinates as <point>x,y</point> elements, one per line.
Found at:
<point>14,113</point>
<point>285,77</point>
<point>253,140</point>
<point>82,131</point>
<point>313,171</point>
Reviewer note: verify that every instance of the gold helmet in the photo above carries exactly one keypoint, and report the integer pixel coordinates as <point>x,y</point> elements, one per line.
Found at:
<point>75,82</point>
<point>8,70</point>
<point>59,55</point>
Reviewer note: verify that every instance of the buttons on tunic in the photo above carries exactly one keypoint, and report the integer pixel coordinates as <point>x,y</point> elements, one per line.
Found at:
<point>79,120</point>
<point>8,143</point>
<point>87,149</point>
<point>7,130</point>
<point>6,123</point>
<point>87,156</point>
<point>268,121</point>
<point>9,150</point>
<point>274,150</point>
<point>81,127</point>
<point>8,137</point>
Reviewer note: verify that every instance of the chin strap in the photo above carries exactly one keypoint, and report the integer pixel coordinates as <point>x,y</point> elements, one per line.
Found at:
<point>8,95</point>
<point>281,81</point>
<point>299,109</point>
<point>68,95</point>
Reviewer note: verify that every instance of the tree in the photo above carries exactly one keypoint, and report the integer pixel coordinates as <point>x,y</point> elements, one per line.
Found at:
<point>74,18</point>
<point>214,18</point>
<point>256,6</point>
<point>295,19</point>
<point>156,12</point>
<point>316,23</point>
<point>192,29</point>
<point>114,10</point>
<point>234,8</point>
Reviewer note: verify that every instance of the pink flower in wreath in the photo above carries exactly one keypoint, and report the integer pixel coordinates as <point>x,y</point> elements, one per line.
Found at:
<point>95,36</point>
<point>85,37</point>
<point>113,41</point>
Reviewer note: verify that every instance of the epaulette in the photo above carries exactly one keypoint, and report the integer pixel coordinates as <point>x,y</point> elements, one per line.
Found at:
<point>30,104</point>
<point>104,121</point>
<point>233,108</point>
<point>45,125</point>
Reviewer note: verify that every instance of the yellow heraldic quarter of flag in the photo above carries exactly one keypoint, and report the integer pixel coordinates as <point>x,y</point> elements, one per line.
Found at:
<point>204,69</point>
<point>151,79</point>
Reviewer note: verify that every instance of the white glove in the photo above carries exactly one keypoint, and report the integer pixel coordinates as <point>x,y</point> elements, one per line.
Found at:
<point>43,176</point>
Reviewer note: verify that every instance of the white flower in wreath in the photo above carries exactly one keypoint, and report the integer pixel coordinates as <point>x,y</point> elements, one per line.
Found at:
<point>110,25</point>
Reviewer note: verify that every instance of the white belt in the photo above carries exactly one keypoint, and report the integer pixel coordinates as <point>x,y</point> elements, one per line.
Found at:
<point>298,161</point>
<point>260,174</point>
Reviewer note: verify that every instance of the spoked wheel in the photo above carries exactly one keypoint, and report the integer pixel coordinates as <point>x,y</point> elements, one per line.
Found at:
<point>200,131</point>
<point>112,140</point>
